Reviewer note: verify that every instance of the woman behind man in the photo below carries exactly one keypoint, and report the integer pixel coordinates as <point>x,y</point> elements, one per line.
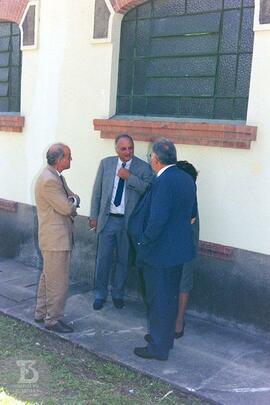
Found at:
<point>186,283</point>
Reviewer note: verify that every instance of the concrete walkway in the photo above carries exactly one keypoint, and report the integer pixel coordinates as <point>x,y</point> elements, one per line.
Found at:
<point>215,362</point>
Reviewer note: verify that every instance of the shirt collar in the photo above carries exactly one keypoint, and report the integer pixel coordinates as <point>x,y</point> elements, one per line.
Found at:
<point>163,169</point>
<point>128,163</point>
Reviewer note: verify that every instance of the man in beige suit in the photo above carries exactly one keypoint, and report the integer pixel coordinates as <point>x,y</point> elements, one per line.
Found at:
<point>56,209</point>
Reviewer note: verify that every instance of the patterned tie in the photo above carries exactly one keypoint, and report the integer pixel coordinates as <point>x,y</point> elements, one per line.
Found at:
<point>119,191</point>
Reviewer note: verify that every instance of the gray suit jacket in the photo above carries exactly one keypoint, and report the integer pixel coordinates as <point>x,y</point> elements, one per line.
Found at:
<point>141,176</point>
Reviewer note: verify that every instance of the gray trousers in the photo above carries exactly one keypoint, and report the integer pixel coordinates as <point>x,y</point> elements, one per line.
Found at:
<point>113,239</point>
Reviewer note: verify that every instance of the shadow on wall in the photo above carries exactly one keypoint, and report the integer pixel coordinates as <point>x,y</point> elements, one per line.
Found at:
<point>235,290</point>
<point>19,241</point>
<point>18,235</point>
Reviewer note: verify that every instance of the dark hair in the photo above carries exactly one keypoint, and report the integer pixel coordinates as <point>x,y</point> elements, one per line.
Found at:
<point>165,151</point>
<point>55,152</point>
<point>188,168</point>
<point>121,136</point>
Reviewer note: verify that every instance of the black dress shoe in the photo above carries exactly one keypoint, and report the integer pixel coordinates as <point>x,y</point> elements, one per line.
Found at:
<point>118,303</point>
<point>148,338</point>
<point>39,320</point>
<point>144,353</point>
<point>98,303</point>
<point>178,335</point>
<point>60,327</point>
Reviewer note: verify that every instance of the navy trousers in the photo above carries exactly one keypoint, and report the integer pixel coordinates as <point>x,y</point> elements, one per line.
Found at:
<point>112,240</point>
<point>162,290</point>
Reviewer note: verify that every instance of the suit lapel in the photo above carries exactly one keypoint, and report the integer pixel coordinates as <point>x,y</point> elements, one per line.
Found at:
<point>132,168</point>
<point>112,177</point>
<point>57,177</point>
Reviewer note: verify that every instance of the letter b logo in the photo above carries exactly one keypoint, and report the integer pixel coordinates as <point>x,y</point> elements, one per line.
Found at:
<point>28,374</point>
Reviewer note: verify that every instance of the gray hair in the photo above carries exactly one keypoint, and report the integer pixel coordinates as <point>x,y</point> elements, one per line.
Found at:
<point>123,136</point>
<point>55,152</point>
<point>165,151</point>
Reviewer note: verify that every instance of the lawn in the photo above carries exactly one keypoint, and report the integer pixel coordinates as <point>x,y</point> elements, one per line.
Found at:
<point>38,368</point>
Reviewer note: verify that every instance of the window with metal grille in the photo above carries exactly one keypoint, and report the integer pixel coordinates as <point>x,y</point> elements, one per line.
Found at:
<point>10,67</point>
<point>186,58</point>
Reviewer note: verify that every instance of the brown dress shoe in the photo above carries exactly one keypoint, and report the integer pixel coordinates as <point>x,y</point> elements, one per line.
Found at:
<point>60,327</point>
<point>37,320</point>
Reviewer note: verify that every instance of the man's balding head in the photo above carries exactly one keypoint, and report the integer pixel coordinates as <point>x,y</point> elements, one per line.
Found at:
<point>59,156</point>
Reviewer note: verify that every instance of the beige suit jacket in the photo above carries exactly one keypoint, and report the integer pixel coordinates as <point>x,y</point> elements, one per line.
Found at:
<point>55,212</point>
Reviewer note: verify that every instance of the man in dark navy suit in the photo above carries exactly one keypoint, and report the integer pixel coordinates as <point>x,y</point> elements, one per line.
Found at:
<point>161,229</point>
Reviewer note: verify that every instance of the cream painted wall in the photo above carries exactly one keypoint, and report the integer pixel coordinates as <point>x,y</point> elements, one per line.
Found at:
<point>13,170</point>
<point>69,80</point>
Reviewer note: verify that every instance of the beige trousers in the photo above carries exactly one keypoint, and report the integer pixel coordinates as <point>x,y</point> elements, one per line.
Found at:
<point>53,286</point>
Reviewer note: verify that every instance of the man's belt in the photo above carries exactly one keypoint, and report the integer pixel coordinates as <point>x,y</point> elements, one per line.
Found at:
<point>116,215</point>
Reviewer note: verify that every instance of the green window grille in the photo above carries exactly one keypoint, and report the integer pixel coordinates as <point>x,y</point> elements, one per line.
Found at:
<point>10,67</point>
<point>186,58</point>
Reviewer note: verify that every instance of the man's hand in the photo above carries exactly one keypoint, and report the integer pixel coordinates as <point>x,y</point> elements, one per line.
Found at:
<point>123,173</point>
<point>193,220</point>
<point>93,224</point>
<point>74,202</point>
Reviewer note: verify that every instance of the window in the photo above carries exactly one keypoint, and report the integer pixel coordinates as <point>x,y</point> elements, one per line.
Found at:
<point>10,67</point>
<point>186,58</point>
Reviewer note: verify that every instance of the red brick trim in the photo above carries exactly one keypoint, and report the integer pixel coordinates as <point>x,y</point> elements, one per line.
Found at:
<point>12,10</point>
<point>215,250</point>
<point>8,205</point>
<point>190,133</point>
<point>11,123</point>
<point>123,6</point>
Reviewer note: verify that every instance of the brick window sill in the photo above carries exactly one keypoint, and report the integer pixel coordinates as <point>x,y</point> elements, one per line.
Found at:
<point>226,134</point>
<point>11,122</point>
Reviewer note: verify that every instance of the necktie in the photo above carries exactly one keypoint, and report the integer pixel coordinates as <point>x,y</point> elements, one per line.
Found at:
<point>119,191</point>
<point>72,219</point>
<point>61,177</point>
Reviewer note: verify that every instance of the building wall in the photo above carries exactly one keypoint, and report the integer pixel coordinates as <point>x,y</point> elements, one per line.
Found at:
<point>69,80</point>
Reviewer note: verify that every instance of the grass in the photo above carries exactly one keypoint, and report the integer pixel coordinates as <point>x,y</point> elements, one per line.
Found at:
<point>62,373</point>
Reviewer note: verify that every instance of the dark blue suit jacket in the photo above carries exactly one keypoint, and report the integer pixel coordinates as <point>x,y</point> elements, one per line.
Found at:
<point>160,225</point>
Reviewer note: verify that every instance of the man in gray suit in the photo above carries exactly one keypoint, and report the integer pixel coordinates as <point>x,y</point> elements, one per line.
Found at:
<point>120,182</point>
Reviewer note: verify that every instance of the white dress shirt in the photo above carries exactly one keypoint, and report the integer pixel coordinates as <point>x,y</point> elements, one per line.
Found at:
<point>121,208</point>
<point>163,169</point>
